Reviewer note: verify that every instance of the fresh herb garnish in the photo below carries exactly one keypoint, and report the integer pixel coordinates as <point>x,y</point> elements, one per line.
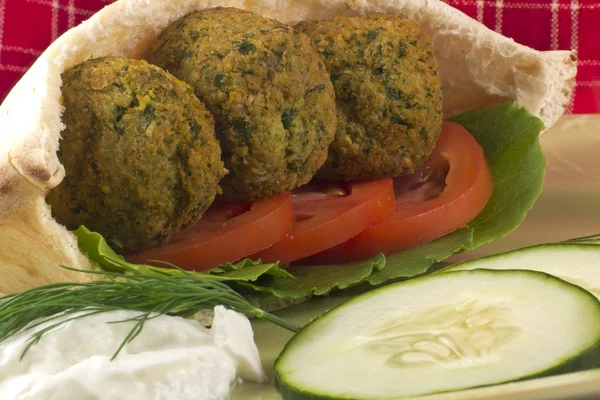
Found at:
<point>181,295</point>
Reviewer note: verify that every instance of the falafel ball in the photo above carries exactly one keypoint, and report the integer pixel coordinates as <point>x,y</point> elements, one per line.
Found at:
<point>268,89</point>
<point>388,92</point>
<point>139,151</point>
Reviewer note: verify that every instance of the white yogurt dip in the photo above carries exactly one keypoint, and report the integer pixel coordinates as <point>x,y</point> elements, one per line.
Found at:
<point>171,359</point>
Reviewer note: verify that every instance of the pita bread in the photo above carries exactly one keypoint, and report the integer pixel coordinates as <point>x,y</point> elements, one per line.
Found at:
<point>479,68</point>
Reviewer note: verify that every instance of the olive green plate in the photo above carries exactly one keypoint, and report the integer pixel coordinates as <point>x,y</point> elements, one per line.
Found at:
<point>568,207</point>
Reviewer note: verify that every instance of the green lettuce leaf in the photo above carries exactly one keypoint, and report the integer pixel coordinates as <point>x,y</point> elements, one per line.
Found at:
<point>509,138</point>
<point>247,271</point>
<point>94,245</point>
<point>274,294</point>
<point>309,280</point>
<point>98,251</point>
<point>418,261</point>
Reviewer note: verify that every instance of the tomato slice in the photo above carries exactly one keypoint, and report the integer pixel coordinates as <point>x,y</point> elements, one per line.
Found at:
<point>447,192</point>
<point>226,232</point>
<point>329,214</point>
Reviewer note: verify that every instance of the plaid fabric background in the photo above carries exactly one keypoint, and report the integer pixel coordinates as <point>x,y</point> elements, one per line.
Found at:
<point>27,27</point>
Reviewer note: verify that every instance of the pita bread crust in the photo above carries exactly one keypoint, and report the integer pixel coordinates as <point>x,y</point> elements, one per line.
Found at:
<point>479,67</point>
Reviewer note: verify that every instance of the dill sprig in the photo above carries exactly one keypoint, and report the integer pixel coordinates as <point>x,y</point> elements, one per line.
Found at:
<point>180,295</point>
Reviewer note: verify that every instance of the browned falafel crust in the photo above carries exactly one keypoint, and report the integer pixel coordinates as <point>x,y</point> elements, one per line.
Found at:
<point>139,150</point>
<point>269,91</point>
<point>388,91</point>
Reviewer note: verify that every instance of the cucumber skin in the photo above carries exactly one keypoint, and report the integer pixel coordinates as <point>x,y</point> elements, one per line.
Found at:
<point>592,239</point>
<point>588,242</point>
<point>289,393</point>
<point>587,359</point>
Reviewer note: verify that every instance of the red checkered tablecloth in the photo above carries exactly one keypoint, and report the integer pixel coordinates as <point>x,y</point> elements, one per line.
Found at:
<point>27,27</point>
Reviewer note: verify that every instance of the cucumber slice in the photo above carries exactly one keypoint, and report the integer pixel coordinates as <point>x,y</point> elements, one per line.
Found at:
<point>442,333</point>
<point>576,263</point>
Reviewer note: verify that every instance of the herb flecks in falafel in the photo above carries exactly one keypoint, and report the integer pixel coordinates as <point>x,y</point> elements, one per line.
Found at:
<point>269,91</point>
<point>139,150</point>
<point>388,93</point>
